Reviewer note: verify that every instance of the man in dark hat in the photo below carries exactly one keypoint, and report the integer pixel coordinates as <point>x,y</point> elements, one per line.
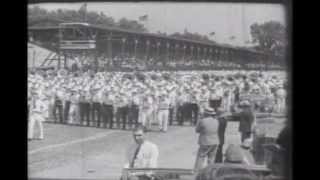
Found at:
<point>96,106</point>
<point>107,110</point>
<point>207,127</point>
<point>246,118</point>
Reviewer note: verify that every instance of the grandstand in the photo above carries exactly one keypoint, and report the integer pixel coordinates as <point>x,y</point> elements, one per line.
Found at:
<point>115,47</point>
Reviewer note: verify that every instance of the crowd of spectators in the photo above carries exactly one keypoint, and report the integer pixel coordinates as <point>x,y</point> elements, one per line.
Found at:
<point>144,63</point>
<point>65,91</point>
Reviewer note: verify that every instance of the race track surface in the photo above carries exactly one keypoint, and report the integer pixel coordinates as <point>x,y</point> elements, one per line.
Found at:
<point>87,152</point>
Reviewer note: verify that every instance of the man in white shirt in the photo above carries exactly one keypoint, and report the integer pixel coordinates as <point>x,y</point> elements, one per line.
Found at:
<point>163,112</point>
<point>37,109</point>
<point>141,154</point>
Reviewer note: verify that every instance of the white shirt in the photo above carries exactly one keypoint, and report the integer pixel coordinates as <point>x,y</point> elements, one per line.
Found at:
<point>147,156</point>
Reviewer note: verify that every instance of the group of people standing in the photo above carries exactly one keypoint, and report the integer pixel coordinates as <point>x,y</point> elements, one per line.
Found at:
<point>118,99</point>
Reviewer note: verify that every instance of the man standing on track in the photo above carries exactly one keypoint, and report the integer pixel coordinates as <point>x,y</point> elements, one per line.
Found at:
<point>246,117</point>
<point>37,115</point>
<point>141,154</point>
<point>163,112</point>
<point>207,127</point>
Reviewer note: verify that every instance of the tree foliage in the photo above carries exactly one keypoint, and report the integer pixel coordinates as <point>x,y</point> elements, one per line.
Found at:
<point>36,14</point>
<point>270,37</point>
<point>192,36</point>
<point>131,24</point>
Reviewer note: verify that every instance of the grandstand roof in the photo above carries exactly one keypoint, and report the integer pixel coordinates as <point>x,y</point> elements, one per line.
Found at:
<point>110,28</point>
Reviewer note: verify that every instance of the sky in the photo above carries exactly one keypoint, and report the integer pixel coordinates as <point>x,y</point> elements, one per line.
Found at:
<point>225,19</point>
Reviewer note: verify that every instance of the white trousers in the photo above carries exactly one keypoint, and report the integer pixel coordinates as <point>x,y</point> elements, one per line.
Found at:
<point>163,116</point>
<point>73,113</point>
<point>281,104</point>
<point>145,118</point>
<point>35,118</point>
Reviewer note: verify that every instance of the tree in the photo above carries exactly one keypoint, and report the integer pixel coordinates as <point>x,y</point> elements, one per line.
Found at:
<point>270,37</point>
<point>131,25</point>
<point>191,36</point>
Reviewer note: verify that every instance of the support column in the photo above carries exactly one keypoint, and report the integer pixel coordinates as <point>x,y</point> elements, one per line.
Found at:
<point>176,49</point>
<point>33,58</point>
<point>183,52</point>
<point>59,60</point>
<point>204,53</point>
<point>168,51</point>
<point>96,63</point>
<point>147,49</point>
<point>191,52</point>
<point>136,41</point>
<point>109,46</point>
<point>123,43</point>
<point>158,49</point>
<point>217,54</point>
<point>198,53</point>
<point>65,60</point>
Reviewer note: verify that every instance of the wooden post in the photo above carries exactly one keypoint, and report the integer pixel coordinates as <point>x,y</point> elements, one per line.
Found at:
<point>59,60</point>
<point>147,49</point>
<point>95,59</point>
<point>65,60</point>
<point>217,54</point>
<point>168,51</point>
<point>198,50</point>
<point>158,49</point>
<point>176,52</point>
<point>210,54</point>
<point>123,42</point>
<point>191,52</point>
<point>136,41</point>
<point>33,58</point>
<point>109,45</point>
<point>183,52</point>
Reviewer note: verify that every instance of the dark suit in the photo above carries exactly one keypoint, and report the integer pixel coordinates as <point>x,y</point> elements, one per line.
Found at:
<point>208,141</point>
<point>246,118</point>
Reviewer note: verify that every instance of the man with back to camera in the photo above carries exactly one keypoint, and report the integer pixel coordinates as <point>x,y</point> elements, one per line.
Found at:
<point>207,127</point>
<point>246,119</point>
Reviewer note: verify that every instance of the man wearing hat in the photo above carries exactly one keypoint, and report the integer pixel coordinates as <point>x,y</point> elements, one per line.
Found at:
<point>37,109</point>
<point>58,95</point>
<point>87,106</point>
<point>134,109</point>
<point>108,109</point>
<point>66,103</point>
<point>280,96</point>
<point>74,101</point>
<point>163,112</point>
<point>246,119</point>
<point>96,105</point>
<point>122,110</point>
<point>207,127</point>
<point>240,154</point>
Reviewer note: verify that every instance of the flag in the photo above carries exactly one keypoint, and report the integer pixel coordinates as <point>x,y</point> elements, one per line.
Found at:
<point>143,18</point>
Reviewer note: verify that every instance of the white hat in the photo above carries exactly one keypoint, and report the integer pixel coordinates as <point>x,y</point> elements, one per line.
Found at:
<point>247,143</point>
<point>245,103</point>
<point>209,110</point>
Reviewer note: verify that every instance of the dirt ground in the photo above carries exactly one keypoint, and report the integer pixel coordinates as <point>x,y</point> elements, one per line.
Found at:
<point>87,152</point>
